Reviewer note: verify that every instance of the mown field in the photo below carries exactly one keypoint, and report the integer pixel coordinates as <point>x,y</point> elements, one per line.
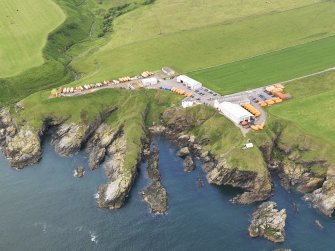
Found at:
<point>270,68</point>
<point>217,40</point>
<point>24,29</point>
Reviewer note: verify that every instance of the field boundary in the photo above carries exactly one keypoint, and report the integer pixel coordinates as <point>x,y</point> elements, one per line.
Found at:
<point>308,75</point>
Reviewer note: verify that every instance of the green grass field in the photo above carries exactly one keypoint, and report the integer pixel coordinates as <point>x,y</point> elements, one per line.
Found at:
<point>312,107</point>
<point>205,46</point>
<point>270,68</point>
<point>152,36</point>
<point>24,28</point>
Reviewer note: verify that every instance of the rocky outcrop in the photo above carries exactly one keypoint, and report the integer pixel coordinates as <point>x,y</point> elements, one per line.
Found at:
<point>268,222</point>
<point>183,152</point>
<point>79,172</point>
<point>152,169</point>
<point>189,164</point>
<point>21,145</point>
<point>324,197</point>
<point>155,194</point>
<point>121,177</point>
<point>300,176</point>
<point>156,197</point>
<point>23,149</point>
<point>99,142</point>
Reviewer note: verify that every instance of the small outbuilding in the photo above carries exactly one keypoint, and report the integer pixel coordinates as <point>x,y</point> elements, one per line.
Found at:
<point>189,82</point>
<point>234,112</point>
<point>149,81</point>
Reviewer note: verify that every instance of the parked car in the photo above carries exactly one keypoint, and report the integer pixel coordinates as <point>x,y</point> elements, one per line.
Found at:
<point>262,97</point>
<point>255,100</point>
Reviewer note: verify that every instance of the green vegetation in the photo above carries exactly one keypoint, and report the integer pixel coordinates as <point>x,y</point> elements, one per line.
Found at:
<point>134,112</point>
<point>136,46</point>
<point>312,107</point>
<point>24,28</point>
<point>84,21</point>
<point>270,68</point>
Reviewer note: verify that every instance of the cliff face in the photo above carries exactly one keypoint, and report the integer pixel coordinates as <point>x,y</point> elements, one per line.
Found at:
<point>257,185</point>
<point>21,145</point>
<point>301,164</point>
<point>99,142</point>
<point>121,178</point>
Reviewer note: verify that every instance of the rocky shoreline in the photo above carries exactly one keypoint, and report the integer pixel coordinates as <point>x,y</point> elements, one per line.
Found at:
<point>21,144</point>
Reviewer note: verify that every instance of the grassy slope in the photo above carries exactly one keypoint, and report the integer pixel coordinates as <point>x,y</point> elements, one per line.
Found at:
<point>207,46</point>
<point>270,68</point>
<point>24,28</point>
<point>55,70</point>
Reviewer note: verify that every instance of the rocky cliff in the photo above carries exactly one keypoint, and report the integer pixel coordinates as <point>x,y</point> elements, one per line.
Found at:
<point>257,185</point>
<point>21,145</point>
<point>121,177</point>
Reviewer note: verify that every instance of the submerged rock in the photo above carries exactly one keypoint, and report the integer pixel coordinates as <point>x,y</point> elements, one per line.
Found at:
<point>189,164</point>
<point>79,172</point>
<point>267,221</point>
<point>324,197</point>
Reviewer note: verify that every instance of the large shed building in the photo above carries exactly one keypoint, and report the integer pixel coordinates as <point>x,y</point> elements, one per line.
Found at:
<point>189,82</point>
<point>234,112</point>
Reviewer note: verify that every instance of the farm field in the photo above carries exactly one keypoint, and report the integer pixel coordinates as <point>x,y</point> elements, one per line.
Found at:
<point>312,107</point>
<point>203,47</point>
<point>270,68</point>
<point>24,29</point>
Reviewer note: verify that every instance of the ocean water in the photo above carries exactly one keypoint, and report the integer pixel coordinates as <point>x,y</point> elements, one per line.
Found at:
<point>45,208</point>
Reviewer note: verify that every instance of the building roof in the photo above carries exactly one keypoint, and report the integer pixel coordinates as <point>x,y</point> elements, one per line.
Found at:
<point>188,80</point>
<point>149,80</point>
<point>235,109</point>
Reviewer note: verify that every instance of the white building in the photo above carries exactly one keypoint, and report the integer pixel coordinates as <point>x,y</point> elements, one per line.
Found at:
<point>149,81</point>
<point>191,83</point>
<point>234,112</point>
<point>187,103</point>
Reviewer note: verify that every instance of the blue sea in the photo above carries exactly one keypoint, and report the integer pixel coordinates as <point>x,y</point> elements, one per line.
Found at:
<point>44,207</point>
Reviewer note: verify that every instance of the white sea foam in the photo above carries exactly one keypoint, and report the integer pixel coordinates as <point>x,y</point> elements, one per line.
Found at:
<point>94,237</point>
<point>96,196</point>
